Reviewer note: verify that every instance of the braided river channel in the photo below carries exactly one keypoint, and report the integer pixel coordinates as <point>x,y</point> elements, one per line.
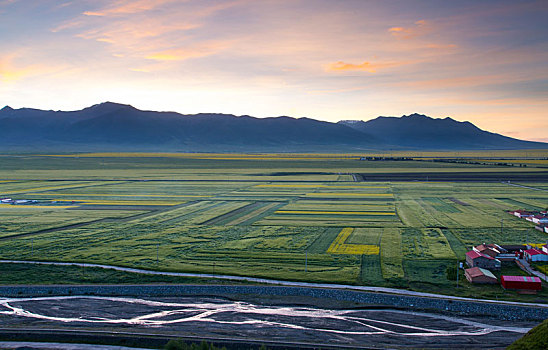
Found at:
<point>220,318</point>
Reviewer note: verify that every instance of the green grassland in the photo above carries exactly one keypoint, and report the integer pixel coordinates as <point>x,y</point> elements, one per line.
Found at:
<point>261,215</point>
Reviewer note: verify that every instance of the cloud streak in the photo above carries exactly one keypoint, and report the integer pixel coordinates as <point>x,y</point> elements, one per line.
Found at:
<point>420,28</point>
<point>120,8</point>
<point>10,71</point>
<point>369,67</point>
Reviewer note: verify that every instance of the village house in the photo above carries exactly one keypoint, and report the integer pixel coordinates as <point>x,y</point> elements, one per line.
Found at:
<point>538,219</point>
<point>523,284</point>
<point>479,275</point>
<point>545,248</point>
<point>522,213</point>
<point>490,249</point>
<point>475,259</point>
<point>495,251</point>
<point>534,254</point>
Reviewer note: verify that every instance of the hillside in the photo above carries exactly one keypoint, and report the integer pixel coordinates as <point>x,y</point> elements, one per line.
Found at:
<point>112,126</point>
<point>535,339</point>
<point>417,131</point>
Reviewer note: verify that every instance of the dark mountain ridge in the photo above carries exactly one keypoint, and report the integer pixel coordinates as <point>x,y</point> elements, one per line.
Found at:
<point>417,131</point>
<point>113,126</point>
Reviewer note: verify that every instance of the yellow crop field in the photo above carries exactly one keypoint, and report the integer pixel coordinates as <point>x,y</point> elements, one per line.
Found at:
<point>339,247</point>
<point>536,245</point>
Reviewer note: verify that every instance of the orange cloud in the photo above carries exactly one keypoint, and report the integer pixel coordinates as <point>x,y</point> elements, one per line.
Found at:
<point>12,71</point>
<point>92,13</point>
<point>440,46</point>
<point>9,72</point>
<point>420,28</point>
<point>365,66</point>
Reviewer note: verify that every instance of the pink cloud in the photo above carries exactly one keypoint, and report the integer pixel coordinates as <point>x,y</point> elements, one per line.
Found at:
<point>364,67</point>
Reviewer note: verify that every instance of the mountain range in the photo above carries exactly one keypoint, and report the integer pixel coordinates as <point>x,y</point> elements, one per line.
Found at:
<point>112,126</point>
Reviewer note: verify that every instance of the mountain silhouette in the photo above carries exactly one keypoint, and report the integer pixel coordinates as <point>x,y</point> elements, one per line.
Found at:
<point>114,126</point>
<point>418,131</point>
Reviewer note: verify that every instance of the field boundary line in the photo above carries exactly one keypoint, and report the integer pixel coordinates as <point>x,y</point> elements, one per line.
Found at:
<point>523,186</point>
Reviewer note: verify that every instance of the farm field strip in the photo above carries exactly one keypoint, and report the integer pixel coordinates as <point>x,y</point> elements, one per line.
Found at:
<point>318,212</point>
<point>128,202</point>
<point>31,206</point>
<point>348,194</point>
<point>128,195</point>
<point>334,186</point>
<point>391,253</point>
<point>233,214</point>
<point>53,188</point>
<point>308,205</point>
<point>263,194</point>
<point>339,245</point>
<point>216,211</point>
<point>177,213</point>
<point>249,218</point>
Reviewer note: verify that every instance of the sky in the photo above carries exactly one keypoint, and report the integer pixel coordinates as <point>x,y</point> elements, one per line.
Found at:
<point>480,61</point>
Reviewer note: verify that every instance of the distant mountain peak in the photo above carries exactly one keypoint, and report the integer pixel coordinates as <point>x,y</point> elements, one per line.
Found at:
<point>109,104</point>
<point>108,107</point>
<point>6,109</point>
<point>417,115</point>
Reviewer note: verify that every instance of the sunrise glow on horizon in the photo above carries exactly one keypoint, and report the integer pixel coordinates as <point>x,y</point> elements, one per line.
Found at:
<point>484,62</point>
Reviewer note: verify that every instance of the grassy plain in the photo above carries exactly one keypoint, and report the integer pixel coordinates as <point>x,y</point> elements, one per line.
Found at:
<point>262,215</point>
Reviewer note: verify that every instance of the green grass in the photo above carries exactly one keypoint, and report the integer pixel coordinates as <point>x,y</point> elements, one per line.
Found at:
<point>535,339</point>
<point>391,254</point>
<point>14,274</point>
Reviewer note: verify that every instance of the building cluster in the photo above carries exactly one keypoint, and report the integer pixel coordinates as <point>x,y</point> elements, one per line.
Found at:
<point>540,218</point>
<point>16,201</point>
<point>484,258</point>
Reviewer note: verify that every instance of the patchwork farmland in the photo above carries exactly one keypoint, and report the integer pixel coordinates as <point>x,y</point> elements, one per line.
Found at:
<point>261,216</point>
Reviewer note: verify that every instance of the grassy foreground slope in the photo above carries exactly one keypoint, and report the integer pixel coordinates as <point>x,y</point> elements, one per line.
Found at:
<point>292,217</point>
<point>535,339</point>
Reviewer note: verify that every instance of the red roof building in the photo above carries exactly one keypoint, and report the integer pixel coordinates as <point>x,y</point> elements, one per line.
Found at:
<point>522,213</point>
<point>521,283</point>
<point>540,219</point>
<point>476,259</point>
<point>490,249</point>
<point>534,254</point>
<point>477,275</point>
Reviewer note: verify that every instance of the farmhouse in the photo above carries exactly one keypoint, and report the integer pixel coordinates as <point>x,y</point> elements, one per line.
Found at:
<point>475,259</point>
<point>479,275</point>
<point>493,250</point>
<point>539,219</point>
<point>534,254</point>
<point>522,213</point>
<point>521,283</point>
<point>545,248</point>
